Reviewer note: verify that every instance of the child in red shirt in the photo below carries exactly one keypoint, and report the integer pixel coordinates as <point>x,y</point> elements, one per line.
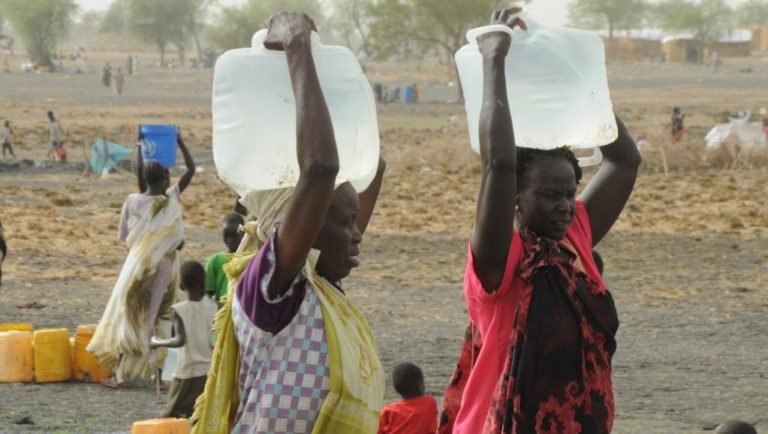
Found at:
<point>417,412</point>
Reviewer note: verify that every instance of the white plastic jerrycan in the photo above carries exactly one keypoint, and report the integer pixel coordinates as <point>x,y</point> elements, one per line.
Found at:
<point>556,86</point>
<point>254,116</point>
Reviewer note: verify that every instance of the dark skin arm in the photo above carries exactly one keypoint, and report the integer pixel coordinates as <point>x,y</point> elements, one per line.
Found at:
<point>140,167</point>
<point>608,191</point>
<point>179,336</point>
<point>315,148</point>
<point>239,208</point>
<point>186,178</point>
<point>495,213</point>
<point>369,197</point>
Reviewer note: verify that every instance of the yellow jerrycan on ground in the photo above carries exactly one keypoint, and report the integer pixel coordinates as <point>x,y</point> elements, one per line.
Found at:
<point>85,367</point>
<point>53,355</point>
<point>161,426</point>
<point>16,357</point>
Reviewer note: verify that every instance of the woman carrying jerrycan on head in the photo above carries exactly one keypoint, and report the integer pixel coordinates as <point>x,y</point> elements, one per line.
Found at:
<point>293,354</point>
<point>537,353</point>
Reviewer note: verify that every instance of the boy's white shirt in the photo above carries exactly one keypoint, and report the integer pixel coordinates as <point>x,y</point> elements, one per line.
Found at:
<point>195,355</point>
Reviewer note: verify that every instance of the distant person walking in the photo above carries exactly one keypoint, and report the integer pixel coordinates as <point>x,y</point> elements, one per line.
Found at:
<point>119,81</point>
<point>57,152</point>
<point>129,65</point>
<point>764,116</point>
<point>714,59</point>
<point>106,75</point>
<point>678,128</point>
<point>5,138</point>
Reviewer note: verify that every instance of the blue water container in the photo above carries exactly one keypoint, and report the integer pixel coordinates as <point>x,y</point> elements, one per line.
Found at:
<point>159,144</point>
<point>409,95</point>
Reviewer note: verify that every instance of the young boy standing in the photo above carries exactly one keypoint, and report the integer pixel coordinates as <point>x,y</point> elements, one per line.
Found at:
<point>417,412</point>
<point>216,279</point>
<point>192,324</point>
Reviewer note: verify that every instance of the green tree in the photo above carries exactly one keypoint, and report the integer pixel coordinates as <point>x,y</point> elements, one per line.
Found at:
<point>419,26</point>
<point>194,20</point>
<point>706,20</point>
<point>116,19</point>
<point>753,13</point>
<point>6,42</point>
<point>42,24</point>
<point>416,27</point>
<point>351,21</point>
<point>160,22</point>
<point>236,25</point>
<point>607,14</point>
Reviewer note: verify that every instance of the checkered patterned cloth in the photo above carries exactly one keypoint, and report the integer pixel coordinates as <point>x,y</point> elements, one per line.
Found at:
<point>284,378</point>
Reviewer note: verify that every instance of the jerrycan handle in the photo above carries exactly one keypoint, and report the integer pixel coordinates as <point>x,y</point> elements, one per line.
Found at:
<point>473,34</point>
<point>592,160</point>
<point>257,41</point>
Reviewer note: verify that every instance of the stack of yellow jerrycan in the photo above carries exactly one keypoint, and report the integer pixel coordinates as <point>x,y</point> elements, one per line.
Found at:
<point>161,426</point>
<point>53,355</point>
<point>47,355</point>
<point>85,367</point>
<point>16,356</point>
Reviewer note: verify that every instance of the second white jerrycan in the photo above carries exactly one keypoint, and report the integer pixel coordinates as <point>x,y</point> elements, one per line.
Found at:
<point>254,116</point>
<point>556,86</point>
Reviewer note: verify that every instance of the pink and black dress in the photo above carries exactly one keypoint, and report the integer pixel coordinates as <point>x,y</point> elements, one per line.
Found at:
<point>536,356</point>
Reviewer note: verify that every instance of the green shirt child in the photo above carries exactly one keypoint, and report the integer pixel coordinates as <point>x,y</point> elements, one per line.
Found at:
<point>215,278</point>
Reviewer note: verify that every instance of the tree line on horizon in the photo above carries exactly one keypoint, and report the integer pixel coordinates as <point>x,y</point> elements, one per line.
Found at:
<point>377,29</point>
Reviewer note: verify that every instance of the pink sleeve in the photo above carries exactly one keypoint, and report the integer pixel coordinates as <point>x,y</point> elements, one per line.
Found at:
<point>582,231</point>
<point>580,235</point>
<point>472,285</point>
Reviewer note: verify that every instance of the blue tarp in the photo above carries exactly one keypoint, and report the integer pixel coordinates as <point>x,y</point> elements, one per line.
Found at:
<point>105,154</point>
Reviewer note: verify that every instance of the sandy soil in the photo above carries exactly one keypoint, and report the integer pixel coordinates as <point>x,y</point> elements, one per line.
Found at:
<point>687,262</point>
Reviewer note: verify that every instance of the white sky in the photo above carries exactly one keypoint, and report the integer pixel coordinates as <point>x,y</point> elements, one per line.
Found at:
<point>550,12</point>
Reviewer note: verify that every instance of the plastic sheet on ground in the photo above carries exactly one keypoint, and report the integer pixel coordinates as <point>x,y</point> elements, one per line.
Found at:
<point>105,155</point>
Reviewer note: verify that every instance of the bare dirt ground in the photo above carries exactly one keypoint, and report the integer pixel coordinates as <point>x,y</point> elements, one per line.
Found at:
<point>687,262</point>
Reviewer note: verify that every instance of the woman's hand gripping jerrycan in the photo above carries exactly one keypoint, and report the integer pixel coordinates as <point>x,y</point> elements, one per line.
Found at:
<point>556,86</point>
<point>254,116</point>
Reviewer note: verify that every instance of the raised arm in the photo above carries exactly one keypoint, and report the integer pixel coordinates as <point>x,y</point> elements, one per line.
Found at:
<point>239,208</point>
<point>369,197</point>
<point>495,213</point>
<point>186,178</point>
<point>608,191</point>
<point>315,148</point>
<point>140,165</point>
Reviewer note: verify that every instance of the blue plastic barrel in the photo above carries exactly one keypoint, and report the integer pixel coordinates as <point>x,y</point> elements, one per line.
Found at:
<point>159,144</point>
<point>409,95</point>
